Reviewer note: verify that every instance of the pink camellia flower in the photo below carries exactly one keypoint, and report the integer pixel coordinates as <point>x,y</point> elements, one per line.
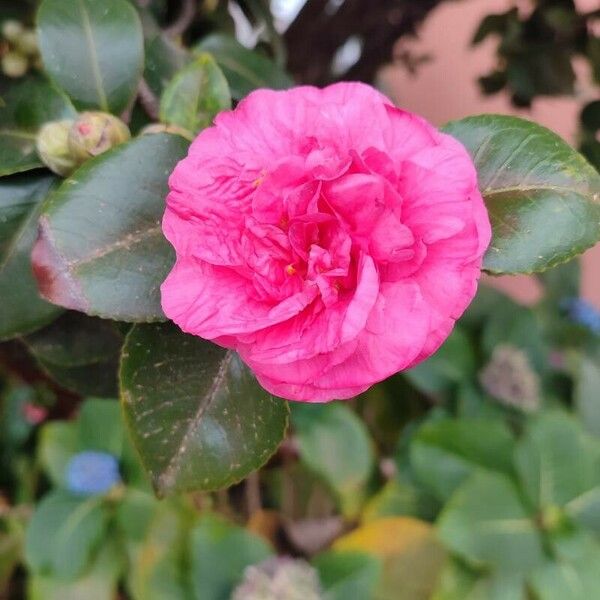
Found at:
<point>328,237</point>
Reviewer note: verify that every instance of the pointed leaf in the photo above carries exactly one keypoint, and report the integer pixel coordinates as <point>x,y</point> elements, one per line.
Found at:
<point>196,414</point>
<point>542,196</point>
<point>101,249</point>
<point>93,50</point>
<point>195,96</point>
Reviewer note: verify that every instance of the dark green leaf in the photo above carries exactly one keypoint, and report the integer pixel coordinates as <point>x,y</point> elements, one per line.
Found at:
<point>542,196</point>
<point>245,70</point>
<point>63,534</point>
<point>496,23</point>
<point>219,553</point>
<point>101,426</point>
<point>335,444</point>
<point>195,95</point>
<point>27,107</point>
<point>93,50</point>
<point>23,310</point>
<point>163,60</point>
<point>444,453</point>
<point>101,249</point>
<point>346,575</point>
<point>486,524</point>
<point>197,415</point>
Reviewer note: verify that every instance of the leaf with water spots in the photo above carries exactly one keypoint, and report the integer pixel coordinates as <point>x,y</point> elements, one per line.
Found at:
<point>196,414</point>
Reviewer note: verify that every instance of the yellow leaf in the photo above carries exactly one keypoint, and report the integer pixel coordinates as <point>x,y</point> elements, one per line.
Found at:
<point>412,557</point>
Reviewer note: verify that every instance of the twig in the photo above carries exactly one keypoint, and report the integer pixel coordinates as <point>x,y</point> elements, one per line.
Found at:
<point>252,489</point>
<point>184,20</point>
<point>148,100</point>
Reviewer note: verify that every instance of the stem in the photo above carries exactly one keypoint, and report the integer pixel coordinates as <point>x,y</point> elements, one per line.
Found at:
<point>148,100</point>
<point>184,20</point>
<point>253,497</point>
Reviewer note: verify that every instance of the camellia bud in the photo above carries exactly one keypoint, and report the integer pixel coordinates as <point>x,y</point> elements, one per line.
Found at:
<point>53,147</point>
<point>94,133</point>
<point>279,579</point>
<point>27,43</point>
<point>164,128</point>
<point>12,30</point>
<point>14,64</point>
<point>510,379</point>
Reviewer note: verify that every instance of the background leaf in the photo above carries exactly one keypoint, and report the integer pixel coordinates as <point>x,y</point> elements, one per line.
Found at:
<point>23,310</point>
<point>197,415</point>
<point>27,107</point>
<point>542,196</point>
<point>101,249</point>
<point>93,50</point>
<point>245,70</point>
<point>195,95</point>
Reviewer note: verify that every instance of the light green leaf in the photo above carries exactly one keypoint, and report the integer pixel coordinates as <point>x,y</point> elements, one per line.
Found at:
<point>196,414</point>
<point>587,394</point>
<point>93,50</point>
<point>59,441</point>
<point>335,444</point>
<point>195,95</point>
<point>542,196</point>
<point>446,452</point>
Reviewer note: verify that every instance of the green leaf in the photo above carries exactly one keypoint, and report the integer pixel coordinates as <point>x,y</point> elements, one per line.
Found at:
<point>101,426</point>
<point>245,70</point>
<point>587,400</point>
<point>101,249</point>
<point>163,60</point>
<point>63,534</point>
<point>158,569</point>
<point>335,444</point>
<point>79,352</point>
<point>452,363</point>
<point>195,95</point>
<point>557,461</point>
<point>220,552</point>
<point>445,453</point>
<point>23,310</point>
<point>196,414</point>
<point>487,525</point>
<point>347,575</point>
<point>59,441</point>
<point>93,50</point>
<point>26,108</point>
<point>542,196</point>
<point>100,581</point>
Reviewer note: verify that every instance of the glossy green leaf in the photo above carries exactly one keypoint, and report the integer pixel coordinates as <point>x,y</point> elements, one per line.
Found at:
<point>101,249</point>
<point>542,196</point>
<point>93,50</point>
<point>195,95</point>
<point>220,552</point>
<point>486,523</point>
<point>23,310</point>
<point>81,353</point>
<point>26,108</point>
<point>245,70</point>
<point>100,426</point>
<point>63,534</point>
<point>335,444</point>
<point>196,414</point>
<point>100,581</point>
<point>164,58</point>
<point>445,453</point>
<point>347,575</point>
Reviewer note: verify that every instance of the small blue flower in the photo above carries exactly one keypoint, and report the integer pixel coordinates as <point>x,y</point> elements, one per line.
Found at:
<point>91,473</point>
<point>583,313</point>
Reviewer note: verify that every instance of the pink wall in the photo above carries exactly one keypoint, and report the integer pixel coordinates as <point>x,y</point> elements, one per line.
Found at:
<point>446,88</point>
